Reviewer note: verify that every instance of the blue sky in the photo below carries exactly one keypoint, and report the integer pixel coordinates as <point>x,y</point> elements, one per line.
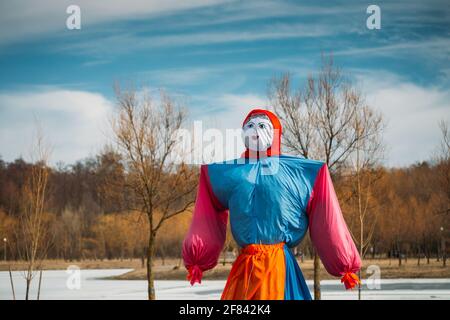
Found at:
<point>217,56</point>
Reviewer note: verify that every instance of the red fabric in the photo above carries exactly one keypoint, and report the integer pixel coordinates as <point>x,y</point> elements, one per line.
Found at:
<point>195,274</point>
<point>274,149</point>
<point>206,236</point>
<point>329,232</point>
<point>350,280</point>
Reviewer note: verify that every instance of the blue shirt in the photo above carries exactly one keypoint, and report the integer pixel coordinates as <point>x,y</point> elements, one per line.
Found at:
<point>267,198</point>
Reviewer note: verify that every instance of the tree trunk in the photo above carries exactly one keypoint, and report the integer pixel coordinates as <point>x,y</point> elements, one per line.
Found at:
<point>224,260</point>
<point>28,278</point>
<point>361,245</point>
<point>150,277</point>
<point>359,285</point>
<point>39,286</point>
<point>163,257</point>
<point>418,256</point>
<point>144,252</point>
<point>12,283</point>
<point>224,252</point>
<point>27,292</point>
<point>444,251</point>
<point>316,276</point>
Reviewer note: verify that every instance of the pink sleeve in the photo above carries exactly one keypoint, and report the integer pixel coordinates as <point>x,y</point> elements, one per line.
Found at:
<point>206,236</point>
<point>329,233</point>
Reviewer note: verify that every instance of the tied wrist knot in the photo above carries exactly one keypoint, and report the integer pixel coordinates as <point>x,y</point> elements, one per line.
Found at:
<point>195,274</point>
<point>350,280</point>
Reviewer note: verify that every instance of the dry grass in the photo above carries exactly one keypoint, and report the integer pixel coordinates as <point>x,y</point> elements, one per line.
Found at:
<point>173,270</point>
<point>83,264</point>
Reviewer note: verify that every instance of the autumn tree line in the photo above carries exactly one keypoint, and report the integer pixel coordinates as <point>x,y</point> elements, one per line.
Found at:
<point>90,212</point>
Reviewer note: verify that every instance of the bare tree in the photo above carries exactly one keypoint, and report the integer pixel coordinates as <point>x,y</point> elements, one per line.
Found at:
<point>33,231</point>
<point>368,151</point>
<point>320,121</point>
<point>145,133</point>
<point>296,110</point>
<point>445,141</point>
<point>298,114</point>
<point>444,181</point>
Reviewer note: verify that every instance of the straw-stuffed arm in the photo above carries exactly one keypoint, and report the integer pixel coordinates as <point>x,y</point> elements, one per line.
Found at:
<point>329,232</point>
<point>206,236</point>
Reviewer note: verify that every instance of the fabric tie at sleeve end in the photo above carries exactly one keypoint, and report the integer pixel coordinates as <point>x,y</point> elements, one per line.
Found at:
<point>194,274</point>
<point>350,280</point>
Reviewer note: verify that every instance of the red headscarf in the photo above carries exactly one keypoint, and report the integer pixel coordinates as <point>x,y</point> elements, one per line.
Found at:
<point>274,149</point>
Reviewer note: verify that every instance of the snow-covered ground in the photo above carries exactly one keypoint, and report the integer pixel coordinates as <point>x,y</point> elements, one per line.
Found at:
<point>58,284</point>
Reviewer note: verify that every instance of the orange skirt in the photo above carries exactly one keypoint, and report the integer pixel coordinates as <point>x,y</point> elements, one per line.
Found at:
<point>257,274</point>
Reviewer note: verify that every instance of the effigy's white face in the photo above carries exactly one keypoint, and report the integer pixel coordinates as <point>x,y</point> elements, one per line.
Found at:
<point>257,133</point>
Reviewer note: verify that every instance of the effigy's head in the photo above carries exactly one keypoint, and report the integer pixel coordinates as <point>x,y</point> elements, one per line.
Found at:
<point>261,132</point>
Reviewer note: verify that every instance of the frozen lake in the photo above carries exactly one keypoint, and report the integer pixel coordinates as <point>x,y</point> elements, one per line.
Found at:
<point>58,284</point>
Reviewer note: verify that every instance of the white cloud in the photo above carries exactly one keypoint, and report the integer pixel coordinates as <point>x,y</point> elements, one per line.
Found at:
<point>126,41</point>
<point>438,47</point>
<point>275,31</point>
<point>182,76</point>
<point>228,110</point>
<point>256,10</point>
<point>222,117</point>
<point>412,113</point>
<point>22,19</point>
<point>74,122</point>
